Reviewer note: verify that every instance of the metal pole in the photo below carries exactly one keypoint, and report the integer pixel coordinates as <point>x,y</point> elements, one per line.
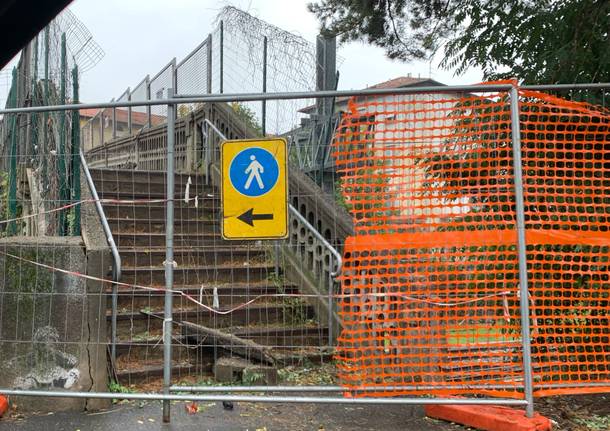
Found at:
<point>281,95</point>
<point>45,117</point>
<point>148,113</point>
<point>75,168</point>
<point>522,252</point>
<point>174,75</point>
<point>264,102</point>
<point>209,64</point>
<point>12,180</point>
<point>113,123</point>
<point>61,154</point>
<point>169,258</point>
<point>564,87</point>
<point>101,127</point>
<point>34,117</point>
<point>129,125</point>
<point>265,398</point>
<point>221,56</point>
<point>330,300</point>
<point>328,388</point>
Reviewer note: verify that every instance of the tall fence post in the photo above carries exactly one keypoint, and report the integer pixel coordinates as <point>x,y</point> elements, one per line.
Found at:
<point>129,120</point>
<point>174,79</point>
<point>61,153</point>
<point>34,115</point>
<point>101,130</point>
<point>521,251</point>
<point>12,178</point>
<point>113,121</point>
<point>221,55</point>
<point>209,63</point>
<point>264,102</point>
<point>75,166</point>
<point>148,110</point>
<point>45,117</point>
<point>169,258</point>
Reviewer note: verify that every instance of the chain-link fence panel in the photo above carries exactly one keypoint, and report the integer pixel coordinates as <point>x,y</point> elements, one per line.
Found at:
<point>159,86</point>
<point>140,115</point>
<point>193,75</point>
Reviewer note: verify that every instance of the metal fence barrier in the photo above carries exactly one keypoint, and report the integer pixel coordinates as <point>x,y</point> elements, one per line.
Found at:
<point>474,264</point>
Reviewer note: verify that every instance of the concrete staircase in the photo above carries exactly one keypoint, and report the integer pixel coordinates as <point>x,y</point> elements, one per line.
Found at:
<point>239,270</point>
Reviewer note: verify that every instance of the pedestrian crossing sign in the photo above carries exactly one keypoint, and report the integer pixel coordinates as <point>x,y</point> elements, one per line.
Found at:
<point>254,189</point>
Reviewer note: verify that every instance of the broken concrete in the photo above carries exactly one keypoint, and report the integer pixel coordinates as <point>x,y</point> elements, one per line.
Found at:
<point>227,370</point>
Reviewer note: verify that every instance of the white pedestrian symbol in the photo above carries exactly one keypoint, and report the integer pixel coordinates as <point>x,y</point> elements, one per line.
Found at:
<point>254,169</point>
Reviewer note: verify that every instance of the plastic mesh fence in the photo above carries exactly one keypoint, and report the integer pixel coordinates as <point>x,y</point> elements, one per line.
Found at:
<point>430,287</point>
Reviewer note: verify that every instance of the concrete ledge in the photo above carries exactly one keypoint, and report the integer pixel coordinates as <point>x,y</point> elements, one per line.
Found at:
<point>489,418</point>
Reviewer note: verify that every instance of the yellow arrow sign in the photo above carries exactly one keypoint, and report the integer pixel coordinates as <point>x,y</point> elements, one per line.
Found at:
<point>254,189</point>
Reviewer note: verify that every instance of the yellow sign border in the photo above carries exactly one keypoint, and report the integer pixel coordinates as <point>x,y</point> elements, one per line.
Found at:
<point>222,191</point>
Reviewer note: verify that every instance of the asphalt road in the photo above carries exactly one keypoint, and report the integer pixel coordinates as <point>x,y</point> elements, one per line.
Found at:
<point>245,416</point>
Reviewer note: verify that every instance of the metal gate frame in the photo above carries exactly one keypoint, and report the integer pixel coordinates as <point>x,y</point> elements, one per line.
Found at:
<point>169,394</point>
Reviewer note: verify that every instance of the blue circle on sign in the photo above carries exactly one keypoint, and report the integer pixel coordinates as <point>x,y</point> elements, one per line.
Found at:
<point>254,172</point>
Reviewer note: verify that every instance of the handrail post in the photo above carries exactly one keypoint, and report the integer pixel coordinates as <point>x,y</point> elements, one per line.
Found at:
<point>169,258</point>
<point>521,251</point>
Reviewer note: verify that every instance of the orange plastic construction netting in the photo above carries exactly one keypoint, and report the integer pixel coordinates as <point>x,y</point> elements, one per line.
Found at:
<point>430,286</point>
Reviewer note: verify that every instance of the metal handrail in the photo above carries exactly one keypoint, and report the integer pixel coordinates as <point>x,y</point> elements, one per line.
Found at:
<point>116,257</point>
<point>324,241</point>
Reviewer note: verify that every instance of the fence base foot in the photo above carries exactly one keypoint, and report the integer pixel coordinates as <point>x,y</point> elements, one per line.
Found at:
<point>489,418</point>
<point>3,405</point>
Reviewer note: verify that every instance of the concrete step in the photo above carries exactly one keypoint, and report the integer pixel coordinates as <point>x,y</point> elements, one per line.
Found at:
<point>208,210</point>
<point>286,337</point>
<point>303,356</point>
<point>203,202</point>
<point>137,372</point>
<point>191,256</point>
<point>143,194</point>
<point>200,240</point>
<point>157,225</point>
<point>143,177</point>
<point>155,275</point>
<point>282,336</point>
<point>154,189</point>
<point>259,313</point>
<point>228,294</point>
<point>146,346</point>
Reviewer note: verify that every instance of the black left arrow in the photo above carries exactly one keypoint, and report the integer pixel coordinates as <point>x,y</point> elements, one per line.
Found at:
<point>249,217</point>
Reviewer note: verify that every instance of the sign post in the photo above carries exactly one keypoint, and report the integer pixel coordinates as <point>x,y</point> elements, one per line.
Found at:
<point>254,189</point>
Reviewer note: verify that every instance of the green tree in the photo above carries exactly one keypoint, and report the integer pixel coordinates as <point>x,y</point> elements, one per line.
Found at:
<point>537,41</point>
<point>248,116</point>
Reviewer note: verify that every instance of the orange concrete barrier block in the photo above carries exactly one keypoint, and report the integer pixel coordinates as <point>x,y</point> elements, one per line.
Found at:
<point>489,418</point>
<point>3,405</point>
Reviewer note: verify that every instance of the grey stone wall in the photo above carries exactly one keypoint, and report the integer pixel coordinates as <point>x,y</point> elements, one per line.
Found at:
<point>52,333</point>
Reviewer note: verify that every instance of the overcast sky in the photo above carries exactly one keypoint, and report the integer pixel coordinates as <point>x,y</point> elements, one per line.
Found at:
<point>140,36</point>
